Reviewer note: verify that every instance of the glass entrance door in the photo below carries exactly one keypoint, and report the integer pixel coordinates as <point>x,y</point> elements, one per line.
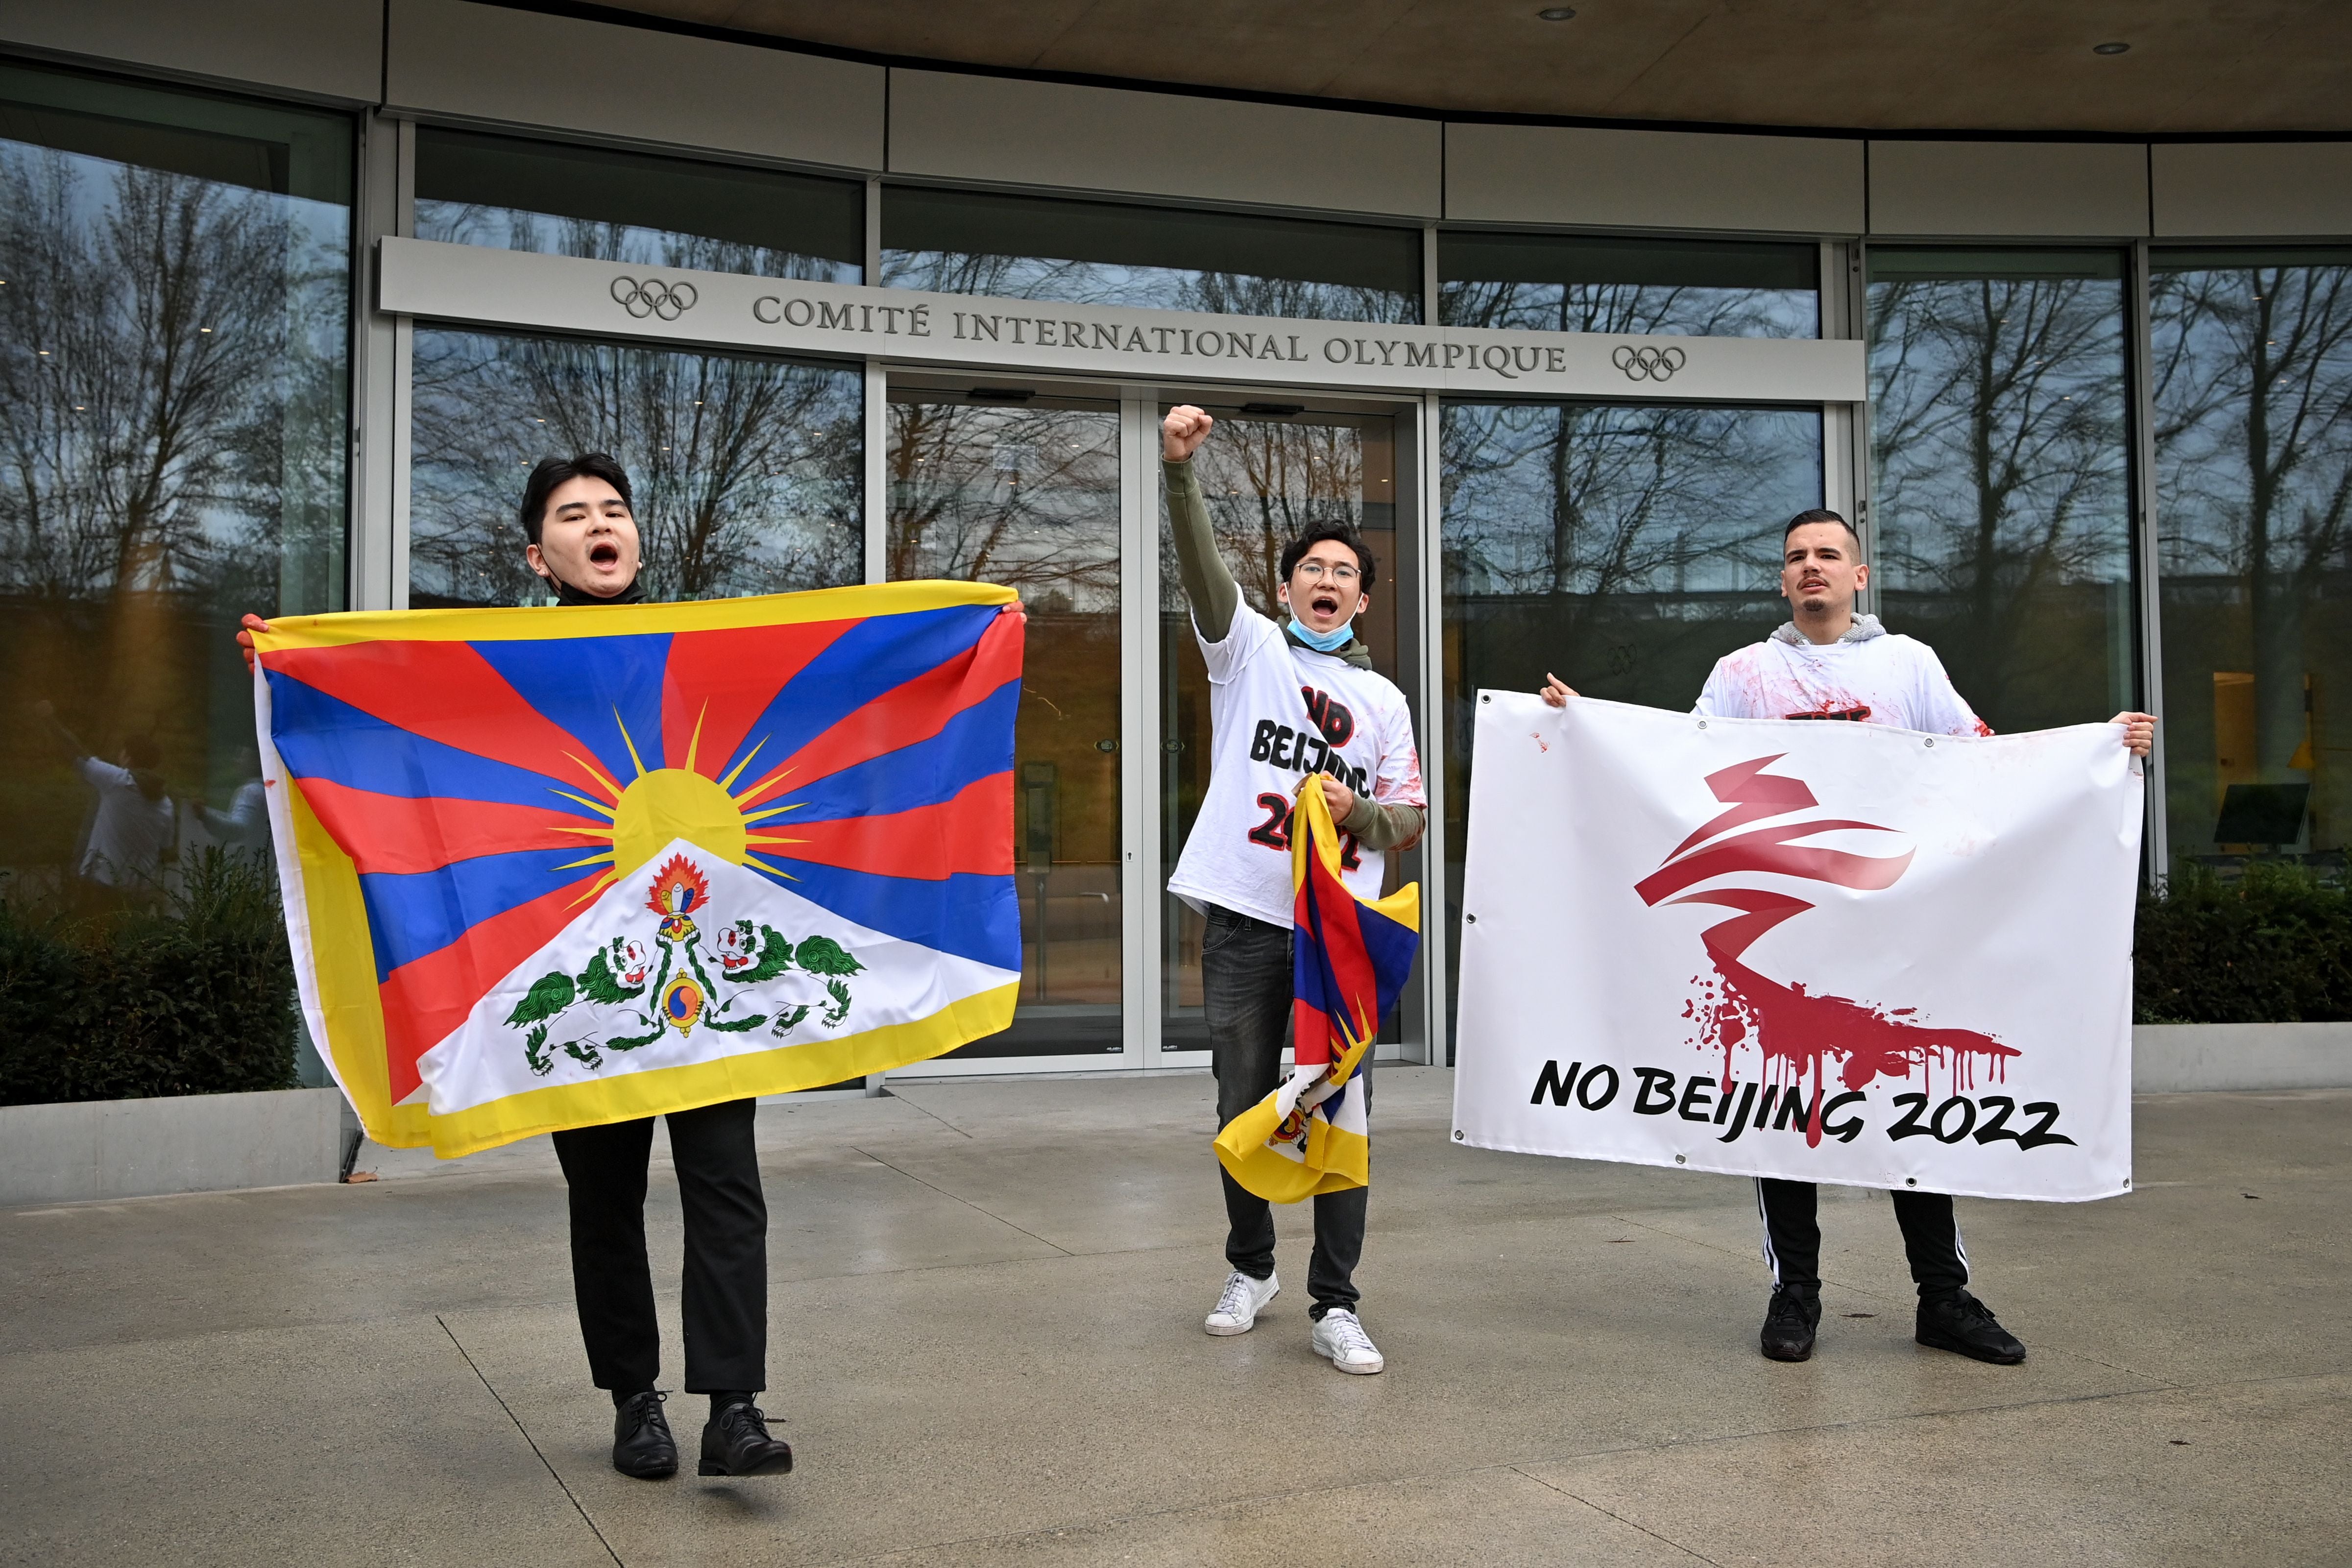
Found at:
<point>1268,471</point>
<point>1013,488</point>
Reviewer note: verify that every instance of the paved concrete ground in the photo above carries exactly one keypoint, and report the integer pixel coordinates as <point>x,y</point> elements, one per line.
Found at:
<point>986,1326</point>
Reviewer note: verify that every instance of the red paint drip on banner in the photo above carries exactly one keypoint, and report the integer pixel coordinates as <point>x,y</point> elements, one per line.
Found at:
<point>1796,1032</point>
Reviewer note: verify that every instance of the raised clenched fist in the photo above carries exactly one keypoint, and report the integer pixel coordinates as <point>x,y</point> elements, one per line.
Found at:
<point>1181,433</point>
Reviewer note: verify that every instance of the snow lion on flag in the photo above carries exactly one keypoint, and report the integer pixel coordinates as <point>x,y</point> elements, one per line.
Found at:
<point>548,871</point>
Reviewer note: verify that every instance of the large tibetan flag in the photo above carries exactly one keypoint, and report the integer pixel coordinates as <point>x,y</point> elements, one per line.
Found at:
<point>558,867</point>
<point>1348,960</point>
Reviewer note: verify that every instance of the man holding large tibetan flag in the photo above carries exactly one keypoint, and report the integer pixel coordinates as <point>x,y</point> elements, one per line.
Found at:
<point>564,870</point>
<point>1296,708</point>
<point>1350,958</point>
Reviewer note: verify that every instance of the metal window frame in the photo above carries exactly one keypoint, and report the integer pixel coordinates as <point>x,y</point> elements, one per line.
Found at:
<point>2155,839</point>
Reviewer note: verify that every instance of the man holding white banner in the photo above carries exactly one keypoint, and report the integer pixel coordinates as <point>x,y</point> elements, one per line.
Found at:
<point>1838,899</point>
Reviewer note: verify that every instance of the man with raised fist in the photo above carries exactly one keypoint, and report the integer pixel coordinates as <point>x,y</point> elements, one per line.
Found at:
<point>1286,699</point>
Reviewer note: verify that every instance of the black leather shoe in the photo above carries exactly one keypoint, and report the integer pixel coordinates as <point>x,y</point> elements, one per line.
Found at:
<point>736,1443</point>
<point>1966,1326</point>
<point>1789,1325</point>
<point>642,1446</point>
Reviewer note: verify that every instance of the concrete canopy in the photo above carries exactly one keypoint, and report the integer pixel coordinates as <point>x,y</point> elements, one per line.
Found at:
<point>2192,65</point>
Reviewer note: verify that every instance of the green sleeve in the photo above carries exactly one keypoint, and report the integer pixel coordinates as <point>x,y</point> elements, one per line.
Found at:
<point>1383,827</point>
<point>1209,584</point>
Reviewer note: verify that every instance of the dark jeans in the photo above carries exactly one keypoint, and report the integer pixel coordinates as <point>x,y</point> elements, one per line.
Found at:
<point>1792,1236</point>
<point>1245,989</point>
<point>725,1302</point>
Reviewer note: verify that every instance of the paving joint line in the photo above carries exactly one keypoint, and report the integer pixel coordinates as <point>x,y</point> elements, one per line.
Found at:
<point>969,1204</point>
<point>904,1098</point>
<point>1629,1525</point>
<point>552,1473</point>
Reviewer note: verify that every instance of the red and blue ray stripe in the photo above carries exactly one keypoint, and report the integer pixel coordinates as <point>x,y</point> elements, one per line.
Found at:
<point>459,776</point>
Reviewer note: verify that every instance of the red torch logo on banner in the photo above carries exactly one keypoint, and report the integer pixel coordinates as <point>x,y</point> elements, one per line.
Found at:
<point>1795,1030</point>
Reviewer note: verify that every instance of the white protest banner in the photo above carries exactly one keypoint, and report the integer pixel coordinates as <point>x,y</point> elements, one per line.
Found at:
<point>1827,952</point>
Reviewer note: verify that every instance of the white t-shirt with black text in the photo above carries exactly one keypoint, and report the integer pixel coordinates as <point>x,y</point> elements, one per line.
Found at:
<point>1870,677</point>
<point>1276,711</point>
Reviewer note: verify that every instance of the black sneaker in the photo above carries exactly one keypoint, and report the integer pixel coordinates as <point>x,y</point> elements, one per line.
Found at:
<point>1789,1325</point>
<point>736,1443</point>
<point>642,1446</point>
<point>1966,1326</point>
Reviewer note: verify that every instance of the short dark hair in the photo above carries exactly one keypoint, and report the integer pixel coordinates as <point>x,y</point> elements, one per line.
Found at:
<point>1810,515</point>
<point>141,751</point>
<point>555,472</point>
<point>1318,533</point>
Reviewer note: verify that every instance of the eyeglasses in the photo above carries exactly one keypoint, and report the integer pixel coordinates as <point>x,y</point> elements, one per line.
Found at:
<point>1313,570</point>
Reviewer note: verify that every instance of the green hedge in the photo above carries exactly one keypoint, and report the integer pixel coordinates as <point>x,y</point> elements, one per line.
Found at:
<point>196,997</point>
<point>2272,947</point>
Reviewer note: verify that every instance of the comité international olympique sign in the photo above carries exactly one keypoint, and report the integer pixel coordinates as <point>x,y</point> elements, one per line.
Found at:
<point>474,284</point>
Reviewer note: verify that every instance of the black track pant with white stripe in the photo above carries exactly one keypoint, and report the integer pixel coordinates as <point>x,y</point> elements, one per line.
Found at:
<point>1792,1236</point>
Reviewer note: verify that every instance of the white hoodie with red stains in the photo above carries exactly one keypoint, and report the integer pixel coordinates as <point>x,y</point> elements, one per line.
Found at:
<point>1870,675</point>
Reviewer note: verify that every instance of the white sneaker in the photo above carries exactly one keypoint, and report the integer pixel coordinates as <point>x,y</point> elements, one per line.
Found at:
<point>1236,1310</point>
<point>1342,1338</point>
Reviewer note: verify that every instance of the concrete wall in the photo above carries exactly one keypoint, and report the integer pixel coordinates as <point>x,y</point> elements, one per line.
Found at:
<point>2168,1059</point>
<point>2268,188</point>
<point>196,1142</point>
<point>318,48</point>
<point>452,59</point>
<point>1654,179</point>
<point>2008,189</point>
<point>1162,144</point>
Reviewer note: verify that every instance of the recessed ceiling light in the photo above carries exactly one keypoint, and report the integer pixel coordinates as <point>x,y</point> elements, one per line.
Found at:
<point>2111,48</point>
<point>1557,14</point>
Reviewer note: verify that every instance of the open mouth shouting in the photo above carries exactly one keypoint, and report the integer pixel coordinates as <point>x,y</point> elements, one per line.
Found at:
<point>604,554</point>
<point>1324,603</point>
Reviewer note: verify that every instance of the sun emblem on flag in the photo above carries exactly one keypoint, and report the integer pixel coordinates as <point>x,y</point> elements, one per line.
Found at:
<point>664,804</point>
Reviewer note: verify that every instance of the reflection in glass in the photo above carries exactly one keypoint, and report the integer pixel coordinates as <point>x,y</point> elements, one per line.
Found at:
<point>2253,371</point>
<point>748,472</point>
<point>2002,501</point>
<point>1110,253</point>
<point>1557,283</point>
<point>1265,480</point>
<point>174,322</point>
<point>515,194</point>
<point>1625,547</point>
<point>1028,497</point>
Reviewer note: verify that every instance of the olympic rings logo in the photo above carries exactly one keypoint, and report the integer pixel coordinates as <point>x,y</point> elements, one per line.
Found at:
<point>1648,364</point>
<point>652,297</point>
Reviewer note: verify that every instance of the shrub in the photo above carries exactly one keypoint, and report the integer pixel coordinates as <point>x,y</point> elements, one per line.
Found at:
<point>195,997</point>
<point>2272,947</point>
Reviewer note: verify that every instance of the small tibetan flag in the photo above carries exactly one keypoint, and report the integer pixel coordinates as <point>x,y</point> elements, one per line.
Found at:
<point>1348,960</point>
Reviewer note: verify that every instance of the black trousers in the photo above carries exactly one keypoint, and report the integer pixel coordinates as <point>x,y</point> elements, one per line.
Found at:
<point>726,1296</point>
<point>1792,1236</point>
<point>1245,990</point>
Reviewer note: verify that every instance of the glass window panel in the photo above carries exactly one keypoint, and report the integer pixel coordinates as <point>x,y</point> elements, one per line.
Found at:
<point>1112,253</point>
<point>517,194</point>
<point>2002,502</point>
<point>1564,283</point>
<point>748,473</point>
<point>174,376</point>
<point>1625,546</point>
<point>1265,479</point>
<point>1028,496</point>
<point>2252,374</point>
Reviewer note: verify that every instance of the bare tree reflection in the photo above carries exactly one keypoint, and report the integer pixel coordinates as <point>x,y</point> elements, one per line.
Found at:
<point>1998,434</point>
<point>172,445</point>
<point>2253,404</point>
<point>747,471</point>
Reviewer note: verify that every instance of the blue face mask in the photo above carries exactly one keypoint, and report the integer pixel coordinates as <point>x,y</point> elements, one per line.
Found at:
<point>1330,642</point>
